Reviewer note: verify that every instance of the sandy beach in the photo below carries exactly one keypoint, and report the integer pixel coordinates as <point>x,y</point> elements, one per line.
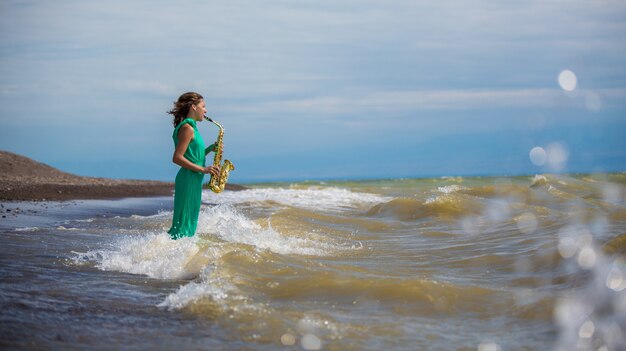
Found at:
<point>22,178</point>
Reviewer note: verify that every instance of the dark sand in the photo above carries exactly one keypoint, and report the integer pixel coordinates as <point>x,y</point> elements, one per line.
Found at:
<point>22,178</point>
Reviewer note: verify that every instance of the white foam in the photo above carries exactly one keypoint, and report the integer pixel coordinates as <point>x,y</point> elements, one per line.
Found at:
<point>158,256</point>
<point>160,214</point>
<point>190,293</point>
<point>232,226</point>
<point>539,179</point>
<point>450,188</point>
<point>155,255</point>
<point>26,229</point>
<point>218,291</point>
<point>315,198</point>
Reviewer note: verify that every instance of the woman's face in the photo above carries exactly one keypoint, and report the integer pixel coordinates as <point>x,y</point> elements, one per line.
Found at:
<point>198,111</point>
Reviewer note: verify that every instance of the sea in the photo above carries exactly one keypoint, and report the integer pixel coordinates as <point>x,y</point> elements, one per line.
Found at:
<point>450,263</point>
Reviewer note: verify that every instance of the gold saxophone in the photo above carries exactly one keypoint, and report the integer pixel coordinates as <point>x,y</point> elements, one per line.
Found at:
<point>218,183</point>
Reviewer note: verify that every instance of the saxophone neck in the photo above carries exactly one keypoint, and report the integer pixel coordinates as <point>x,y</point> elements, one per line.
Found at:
<point>214,122</point>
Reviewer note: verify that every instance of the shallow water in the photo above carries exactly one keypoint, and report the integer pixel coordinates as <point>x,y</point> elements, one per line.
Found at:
<point>403,264</point>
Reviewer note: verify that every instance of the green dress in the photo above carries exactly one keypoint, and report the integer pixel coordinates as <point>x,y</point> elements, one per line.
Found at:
<point>188,188</point>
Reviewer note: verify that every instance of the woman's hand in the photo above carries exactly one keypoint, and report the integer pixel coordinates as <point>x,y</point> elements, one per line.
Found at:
<point>214,170</point>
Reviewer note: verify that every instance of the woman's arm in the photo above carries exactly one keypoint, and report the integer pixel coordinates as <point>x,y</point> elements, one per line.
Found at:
<point>185,134</point>
<point>209,149</point>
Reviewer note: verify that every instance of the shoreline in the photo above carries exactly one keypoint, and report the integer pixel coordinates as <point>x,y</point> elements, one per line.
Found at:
<point>24,179</point>
<point>85,191</point>
<point>89,190</point>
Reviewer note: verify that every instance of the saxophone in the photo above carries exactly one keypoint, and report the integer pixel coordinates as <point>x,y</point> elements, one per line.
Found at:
<point>218,183</point>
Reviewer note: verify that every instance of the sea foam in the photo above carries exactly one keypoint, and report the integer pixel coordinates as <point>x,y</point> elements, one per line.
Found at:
<point>230,225</point>
<point>310,198</point>
<point>156,255</point>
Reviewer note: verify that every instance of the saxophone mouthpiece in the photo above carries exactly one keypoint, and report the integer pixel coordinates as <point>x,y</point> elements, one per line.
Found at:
<point>208,118</point>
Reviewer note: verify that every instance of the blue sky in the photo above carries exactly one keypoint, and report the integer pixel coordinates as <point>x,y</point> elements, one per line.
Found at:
<point>317,89</point>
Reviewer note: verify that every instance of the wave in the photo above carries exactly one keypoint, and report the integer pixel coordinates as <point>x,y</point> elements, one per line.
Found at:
<point>221,229</point>
<point>230,225</point>
<point>315,198</point>
<point>242,284</point>
<point>26,229</point>
<point>448,205</point>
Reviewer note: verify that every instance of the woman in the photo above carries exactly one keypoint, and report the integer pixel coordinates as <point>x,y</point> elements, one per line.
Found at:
<point>189,155</point>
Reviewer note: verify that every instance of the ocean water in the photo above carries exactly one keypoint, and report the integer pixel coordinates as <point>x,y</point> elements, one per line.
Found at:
<point>453,263</point>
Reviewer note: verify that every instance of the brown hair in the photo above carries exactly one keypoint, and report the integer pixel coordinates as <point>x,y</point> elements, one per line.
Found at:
<point>182,106</point>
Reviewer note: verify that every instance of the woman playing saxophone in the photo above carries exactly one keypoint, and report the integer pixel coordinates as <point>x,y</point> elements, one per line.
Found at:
<point>189,154</point>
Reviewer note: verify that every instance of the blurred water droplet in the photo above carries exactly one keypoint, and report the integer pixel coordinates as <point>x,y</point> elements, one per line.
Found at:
<point>499,210</point>
<point>527,223</point>
<point>311,342</point>
<point>471,225</point>
<point>612,193</point>
<point>593,101</point>
<point>584,238</point>
<point>538,156</point>
<point>568,80</point>
<point>305,326</point>
<point>488,346</point>
<point>615,279</point>
<point>586,330</point>
<point>587,258</point>
<point>557,155</point>
<point>288,339</point>
<point>567,247</point>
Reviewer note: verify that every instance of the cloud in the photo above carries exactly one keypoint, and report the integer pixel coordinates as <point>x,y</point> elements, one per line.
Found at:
<point>425,100</point>
<point>294,69</point>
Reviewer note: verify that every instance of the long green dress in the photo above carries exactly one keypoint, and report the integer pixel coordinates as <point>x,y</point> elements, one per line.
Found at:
<point>188,188</point>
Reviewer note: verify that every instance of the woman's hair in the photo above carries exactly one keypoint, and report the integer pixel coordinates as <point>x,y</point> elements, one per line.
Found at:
<point>182,106</point>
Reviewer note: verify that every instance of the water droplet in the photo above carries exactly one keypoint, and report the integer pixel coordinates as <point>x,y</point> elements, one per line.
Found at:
<point>471,225</point>
<point>586,330</point>
<point>538,156</point>
<point>557,155</point>
<point>311,342</point>
<point>584,238</point>
<point>527,223</point>
<point>498,210</point>
<point>488,346</point>
<point>587,258</point>
<point>615,279</point>
<point>567,247</point>
<point>612,193</point>
<point>288,339</point>
<point>567,80</point>
<point>305,326</point>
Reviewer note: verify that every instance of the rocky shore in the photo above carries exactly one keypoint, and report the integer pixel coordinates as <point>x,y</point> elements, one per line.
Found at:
<point>22,178</point>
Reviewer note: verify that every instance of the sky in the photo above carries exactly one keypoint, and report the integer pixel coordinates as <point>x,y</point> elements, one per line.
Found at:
<point>318,89</point>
